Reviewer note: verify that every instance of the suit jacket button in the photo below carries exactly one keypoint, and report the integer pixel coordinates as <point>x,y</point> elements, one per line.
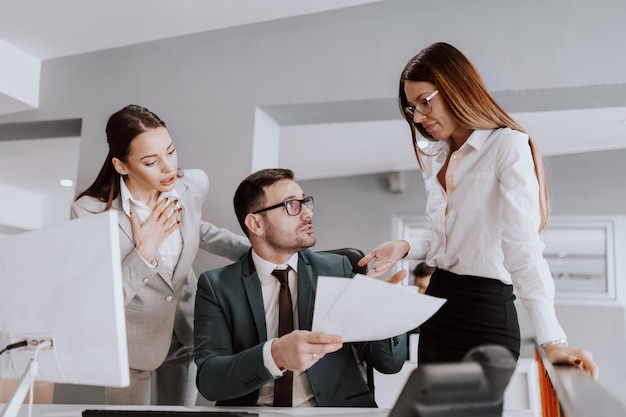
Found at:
<point>169,298</point>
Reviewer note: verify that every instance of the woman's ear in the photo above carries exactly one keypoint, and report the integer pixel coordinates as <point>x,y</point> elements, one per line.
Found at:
<point>119,166</point>
<point>254,223</point>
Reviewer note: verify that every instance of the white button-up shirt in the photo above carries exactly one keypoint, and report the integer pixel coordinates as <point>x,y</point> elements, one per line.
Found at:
<point>270,287</point>
<point>485,223</point>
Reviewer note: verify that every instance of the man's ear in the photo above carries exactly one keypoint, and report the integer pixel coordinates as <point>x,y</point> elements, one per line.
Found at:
<point>254,223</point>
<point>119,166</point>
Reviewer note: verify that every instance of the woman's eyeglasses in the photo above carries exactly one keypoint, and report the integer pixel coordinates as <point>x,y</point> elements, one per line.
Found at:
<point>423,107</point>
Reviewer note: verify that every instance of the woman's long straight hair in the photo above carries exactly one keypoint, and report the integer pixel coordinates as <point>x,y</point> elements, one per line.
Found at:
<point>463,90</point>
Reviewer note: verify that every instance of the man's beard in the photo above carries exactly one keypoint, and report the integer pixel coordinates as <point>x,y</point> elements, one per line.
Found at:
<point>286,242</point>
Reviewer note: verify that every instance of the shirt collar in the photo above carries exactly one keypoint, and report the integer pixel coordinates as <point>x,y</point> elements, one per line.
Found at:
<point>264,268</point>
<point>478,137</point>
<point>127,197</point>
<point>434,147</point>
<point>476,140</point>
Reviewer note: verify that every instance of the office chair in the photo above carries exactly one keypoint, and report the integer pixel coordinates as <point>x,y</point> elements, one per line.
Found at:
<point>354,255</point>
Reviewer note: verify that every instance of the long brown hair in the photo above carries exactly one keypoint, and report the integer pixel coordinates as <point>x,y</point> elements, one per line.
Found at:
<point>123,126</point>
<point>463,90</point>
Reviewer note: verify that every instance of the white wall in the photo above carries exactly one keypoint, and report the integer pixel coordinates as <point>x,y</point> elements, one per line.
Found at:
<point>35,199</point>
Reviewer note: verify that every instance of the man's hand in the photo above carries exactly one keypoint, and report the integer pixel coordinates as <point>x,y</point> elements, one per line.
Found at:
<point>301,349</point>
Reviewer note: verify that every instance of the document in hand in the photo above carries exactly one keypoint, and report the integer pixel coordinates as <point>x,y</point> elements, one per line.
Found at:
<point>364,308</point>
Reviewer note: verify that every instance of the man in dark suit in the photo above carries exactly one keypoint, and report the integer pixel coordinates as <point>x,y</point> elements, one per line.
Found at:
<point>243,358</point>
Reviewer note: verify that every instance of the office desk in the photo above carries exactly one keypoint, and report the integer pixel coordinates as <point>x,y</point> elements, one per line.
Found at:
<point>75,410</point>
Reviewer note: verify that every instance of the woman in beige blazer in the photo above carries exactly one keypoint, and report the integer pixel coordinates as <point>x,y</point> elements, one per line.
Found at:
<point>161,228</point>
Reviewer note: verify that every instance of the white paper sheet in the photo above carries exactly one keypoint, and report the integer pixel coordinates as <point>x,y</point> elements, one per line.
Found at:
<point>364,308</point>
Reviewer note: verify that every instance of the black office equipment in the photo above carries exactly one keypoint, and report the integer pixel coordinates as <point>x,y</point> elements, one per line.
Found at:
<point>471,388</point>
<point>165,413</point>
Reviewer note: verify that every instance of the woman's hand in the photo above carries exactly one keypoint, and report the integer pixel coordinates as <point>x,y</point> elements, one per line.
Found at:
<point>162,222</point>
<point>386,255</point>
<point>562,354</point>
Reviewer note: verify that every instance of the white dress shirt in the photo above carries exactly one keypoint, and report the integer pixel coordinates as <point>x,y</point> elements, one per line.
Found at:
<point>485,223</point>
<point>270,287</point>
<point>172,246</point>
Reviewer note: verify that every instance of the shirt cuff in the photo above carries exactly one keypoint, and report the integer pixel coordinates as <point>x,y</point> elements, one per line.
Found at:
<point>268,361</point>
<point>554,342</point>
<point>151,265</point>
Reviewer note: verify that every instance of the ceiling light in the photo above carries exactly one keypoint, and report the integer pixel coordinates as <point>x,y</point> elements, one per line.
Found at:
<point>66,183</point>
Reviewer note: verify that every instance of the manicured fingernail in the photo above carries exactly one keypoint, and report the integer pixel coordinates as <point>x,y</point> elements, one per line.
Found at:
<point>180,209</point>
<point>175,201</point>
<point>578,361</point>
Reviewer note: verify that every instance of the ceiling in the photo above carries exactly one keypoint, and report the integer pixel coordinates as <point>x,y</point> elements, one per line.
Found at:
<point>68,27</point>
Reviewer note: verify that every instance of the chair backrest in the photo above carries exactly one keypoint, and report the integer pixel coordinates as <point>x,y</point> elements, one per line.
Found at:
<point>354,255</point>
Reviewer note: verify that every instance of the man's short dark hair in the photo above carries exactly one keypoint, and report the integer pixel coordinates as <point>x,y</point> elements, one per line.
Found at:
<point>250,195</point>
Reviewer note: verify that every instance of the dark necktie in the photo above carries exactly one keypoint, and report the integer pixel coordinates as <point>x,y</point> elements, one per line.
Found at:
<point>283,387</point>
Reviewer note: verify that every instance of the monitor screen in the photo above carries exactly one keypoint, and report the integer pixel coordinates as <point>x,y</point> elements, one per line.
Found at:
<point>64,284</point>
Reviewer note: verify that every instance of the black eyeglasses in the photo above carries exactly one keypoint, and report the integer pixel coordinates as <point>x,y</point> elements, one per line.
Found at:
<point>293,207</point>
<point>423,107</point>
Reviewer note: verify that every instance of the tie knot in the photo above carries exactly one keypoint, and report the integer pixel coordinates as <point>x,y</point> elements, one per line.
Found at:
<point>282,275</point>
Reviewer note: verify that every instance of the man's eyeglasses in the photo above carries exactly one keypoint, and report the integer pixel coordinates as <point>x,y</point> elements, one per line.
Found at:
<point>423,107</point>
<point>293,207</point>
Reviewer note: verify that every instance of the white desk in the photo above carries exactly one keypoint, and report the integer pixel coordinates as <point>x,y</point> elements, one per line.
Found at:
<point>75,410</point>
<point>516,400</point>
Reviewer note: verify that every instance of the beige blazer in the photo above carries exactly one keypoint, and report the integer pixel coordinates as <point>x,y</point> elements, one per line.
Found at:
<point>156,307</point>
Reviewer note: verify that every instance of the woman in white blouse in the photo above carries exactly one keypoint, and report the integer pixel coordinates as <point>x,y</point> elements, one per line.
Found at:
<point>487,204</point>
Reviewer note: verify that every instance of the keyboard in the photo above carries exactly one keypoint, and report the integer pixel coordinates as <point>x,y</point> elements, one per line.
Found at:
<point>165,413</point>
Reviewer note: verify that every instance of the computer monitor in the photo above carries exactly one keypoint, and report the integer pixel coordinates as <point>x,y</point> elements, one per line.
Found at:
<point>471,388</point>
<point>61,291</point>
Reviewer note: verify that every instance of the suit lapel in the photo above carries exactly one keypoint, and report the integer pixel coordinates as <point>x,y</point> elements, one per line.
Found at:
<point>187,228</point>
<point>127,230</point>
<point>123,219</point>
<point>252,285</point>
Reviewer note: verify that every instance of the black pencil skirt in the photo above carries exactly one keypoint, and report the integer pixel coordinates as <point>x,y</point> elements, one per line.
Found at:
<point>478,311</point>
